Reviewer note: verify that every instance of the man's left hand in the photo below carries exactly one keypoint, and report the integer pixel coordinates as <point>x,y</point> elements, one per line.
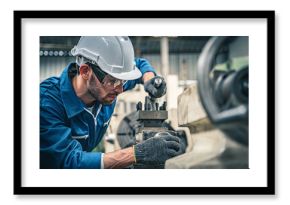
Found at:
<point>155,87</point>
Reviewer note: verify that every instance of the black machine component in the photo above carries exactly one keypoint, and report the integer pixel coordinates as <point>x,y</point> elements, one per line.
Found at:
<point>144,124</point>
<point>224,95</point>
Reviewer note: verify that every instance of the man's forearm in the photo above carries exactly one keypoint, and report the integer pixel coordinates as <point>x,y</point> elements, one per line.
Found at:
<point>119,159</point>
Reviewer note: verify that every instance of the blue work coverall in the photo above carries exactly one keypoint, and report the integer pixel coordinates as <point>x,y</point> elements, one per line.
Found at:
<point>68,130</point>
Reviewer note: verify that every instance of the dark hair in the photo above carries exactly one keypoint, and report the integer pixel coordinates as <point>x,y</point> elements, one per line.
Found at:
<point>73,71</point>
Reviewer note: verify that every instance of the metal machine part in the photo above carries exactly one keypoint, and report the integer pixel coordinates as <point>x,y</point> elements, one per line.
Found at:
<point>224,95</point>
<point>136,126</point>
<point>144,124</point>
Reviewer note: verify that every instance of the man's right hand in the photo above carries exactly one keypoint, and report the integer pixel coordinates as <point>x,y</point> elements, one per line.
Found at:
<point>158,149</point>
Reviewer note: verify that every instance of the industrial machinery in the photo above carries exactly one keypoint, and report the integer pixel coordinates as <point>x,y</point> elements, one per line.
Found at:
<point>144,123</point>
<point>224,94</point>
<point>214,110</point>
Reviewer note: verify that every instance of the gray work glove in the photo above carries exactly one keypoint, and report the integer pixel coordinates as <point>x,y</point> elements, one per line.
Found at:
<point>158,149</point>
<point>180,134</point>
<point>155,87</point>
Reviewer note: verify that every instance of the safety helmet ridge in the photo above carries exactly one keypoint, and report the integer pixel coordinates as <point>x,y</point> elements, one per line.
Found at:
<point>113,54</point>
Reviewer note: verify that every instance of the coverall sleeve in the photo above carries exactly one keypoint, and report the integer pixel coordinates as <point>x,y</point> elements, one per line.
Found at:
<point>57,148</point>
<point>144,66</point>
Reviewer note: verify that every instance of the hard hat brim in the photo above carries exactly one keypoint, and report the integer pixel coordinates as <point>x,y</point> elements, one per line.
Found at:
<point>132,75</point>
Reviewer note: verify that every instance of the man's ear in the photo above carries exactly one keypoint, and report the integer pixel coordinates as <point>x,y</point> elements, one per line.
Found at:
<point>85,71</point>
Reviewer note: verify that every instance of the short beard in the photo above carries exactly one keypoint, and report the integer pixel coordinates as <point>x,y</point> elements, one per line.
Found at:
<point>95,91</point>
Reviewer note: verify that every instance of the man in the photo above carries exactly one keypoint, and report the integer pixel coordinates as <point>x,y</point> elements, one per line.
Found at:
<point>76,108</point>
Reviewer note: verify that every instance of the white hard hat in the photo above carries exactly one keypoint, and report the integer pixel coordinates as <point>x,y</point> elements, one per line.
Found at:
<point>113,54</point>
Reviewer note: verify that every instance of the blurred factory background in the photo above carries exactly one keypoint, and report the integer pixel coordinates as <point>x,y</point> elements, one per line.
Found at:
<point>183,53</point>
<point>175,58</point>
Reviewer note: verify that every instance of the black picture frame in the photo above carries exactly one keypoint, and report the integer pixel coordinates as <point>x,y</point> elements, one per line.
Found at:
<point>19,189</point>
